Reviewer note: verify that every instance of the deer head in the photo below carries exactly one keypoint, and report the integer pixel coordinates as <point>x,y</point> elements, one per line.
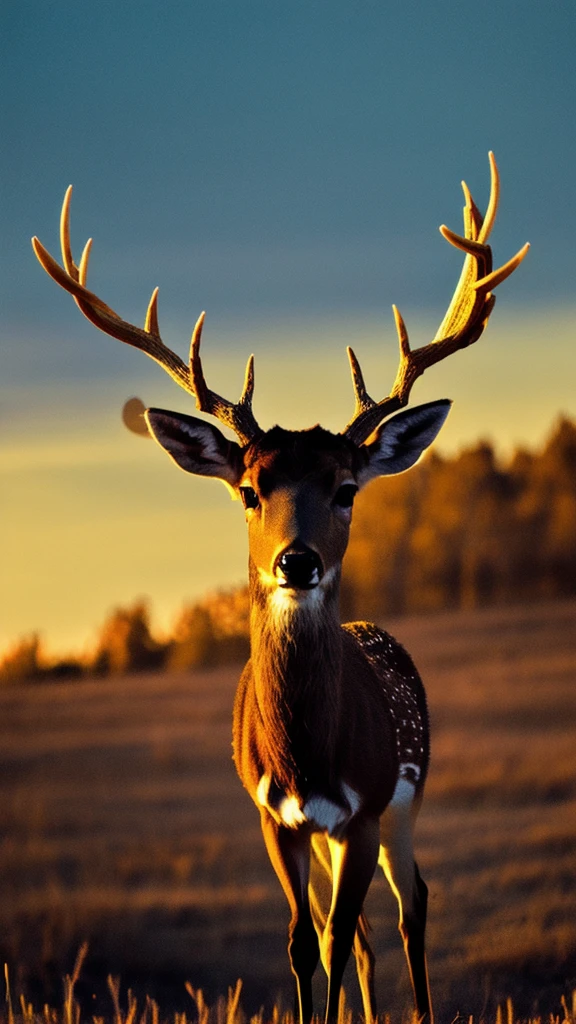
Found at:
<point>298,487</point>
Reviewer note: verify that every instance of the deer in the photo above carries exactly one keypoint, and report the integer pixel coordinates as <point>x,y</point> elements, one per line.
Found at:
<point>330,722</point>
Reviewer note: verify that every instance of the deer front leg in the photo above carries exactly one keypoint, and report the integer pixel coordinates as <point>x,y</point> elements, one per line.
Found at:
<point>364,956</point>
<point>289,852</point>
<point>354,860</point>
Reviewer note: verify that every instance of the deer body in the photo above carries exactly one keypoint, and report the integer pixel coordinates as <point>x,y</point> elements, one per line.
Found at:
<point>354,744</point>
<point>330,721</point>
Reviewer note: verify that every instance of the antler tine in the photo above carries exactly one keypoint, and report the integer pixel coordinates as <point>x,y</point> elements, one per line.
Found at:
<point>472,215</point>
<point>151,322</point>
<point>248,389</point>
<point>363,400</point>
<point>67,257</point>
<point>496,277</point>
<point>199,385</point>
<point>73,279</point>
<point>463,324</point>
<point>493,201</point>
<point>238,416</point>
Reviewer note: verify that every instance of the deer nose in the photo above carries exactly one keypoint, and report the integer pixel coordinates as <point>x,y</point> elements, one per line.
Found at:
<point>300,568</point>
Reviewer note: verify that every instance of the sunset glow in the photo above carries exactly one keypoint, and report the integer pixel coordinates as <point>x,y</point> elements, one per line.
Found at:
<point>95,516</point>
<point>290,179</point>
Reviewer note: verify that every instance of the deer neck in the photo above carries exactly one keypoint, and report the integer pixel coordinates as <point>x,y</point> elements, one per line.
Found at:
<point>296,649</point>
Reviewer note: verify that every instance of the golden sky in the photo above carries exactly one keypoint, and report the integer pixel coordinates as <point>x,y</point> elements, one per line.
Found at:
<point>94,516</point>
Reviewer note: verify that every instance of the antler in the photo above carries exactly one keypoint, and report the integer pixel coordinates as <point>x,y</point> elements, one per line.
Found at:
<point>463,324</point>
<point>238,416</point>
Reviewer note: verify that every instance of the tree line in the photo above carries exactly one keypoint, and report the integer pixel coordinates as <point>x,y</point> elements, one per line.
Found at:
<point>467,531</point>
<point>456,532</point>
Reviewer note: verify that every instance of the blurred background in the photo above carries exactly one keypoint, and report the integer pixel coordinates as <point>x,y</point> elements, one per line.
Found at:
<point>286,168</point>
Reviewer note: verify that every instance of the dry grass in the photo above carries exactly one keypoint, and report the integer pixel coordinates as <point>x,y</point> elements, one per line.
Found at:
<point>122,822</point>
<point>226,1010</point>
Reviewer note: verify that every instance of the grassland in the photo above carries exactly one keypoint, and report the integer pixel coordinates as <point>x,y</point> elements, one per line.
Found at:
<point>122,823</point>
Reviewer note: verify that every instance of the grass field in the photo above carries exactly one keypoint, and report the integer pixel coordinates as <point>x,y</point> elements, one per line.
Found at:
<point>122,823</point>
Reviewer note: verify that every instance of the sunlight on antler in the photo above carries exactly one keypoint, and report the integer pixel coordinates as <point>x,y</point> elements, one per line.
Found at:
<point>238,416</point>
<point>464,322</point>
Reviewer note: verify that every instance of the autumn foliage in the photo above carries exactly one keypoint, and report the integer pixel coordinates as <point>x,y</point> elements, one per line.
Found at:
<point>461,532</point>
<point>467,532</point>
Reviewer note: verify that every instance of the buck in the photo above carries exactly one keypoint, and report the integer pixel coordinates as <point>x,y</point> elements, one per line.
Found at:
<point>331,734</point>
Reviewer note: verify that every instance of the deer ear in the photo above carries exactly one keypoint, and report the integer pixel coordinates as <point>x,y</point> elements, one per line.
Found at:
<point>196,446</point>
<point>401,440</point>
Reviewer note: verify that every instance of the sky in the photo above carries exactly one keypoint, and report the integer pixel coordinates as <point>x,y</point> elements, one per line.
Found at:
<point>284,166</point>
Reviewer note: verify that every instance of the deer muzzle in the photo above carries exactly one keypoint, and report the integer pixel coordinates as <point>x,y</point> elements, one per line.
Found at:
<point>298,568</point>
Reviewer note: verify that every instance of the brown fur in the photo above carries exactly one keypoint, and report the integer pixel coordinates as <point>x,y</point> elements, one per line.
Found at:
<point>294,718</point>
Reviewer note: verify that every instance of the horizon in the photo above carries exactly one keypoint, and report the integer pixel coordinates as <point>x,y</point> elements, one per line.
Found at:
<point>164,614</point>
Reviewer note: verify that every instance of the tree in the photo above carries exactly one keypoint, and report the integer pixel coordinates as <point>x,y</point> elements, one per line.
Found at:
<point>213,631</point>
<point>126,644</point>
<point>22,661</point>
<point>194,643</point>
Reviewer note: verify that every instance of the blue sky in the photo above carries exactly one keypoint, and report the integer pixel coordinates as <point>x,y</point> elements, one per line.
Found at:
<point>266,157</point>
<point>284,166</point>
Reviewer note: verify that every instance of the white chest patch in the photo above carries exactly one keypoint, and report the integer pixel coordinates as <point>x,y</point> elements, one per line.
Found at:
<point>320,812</point>
<point>285,602</point>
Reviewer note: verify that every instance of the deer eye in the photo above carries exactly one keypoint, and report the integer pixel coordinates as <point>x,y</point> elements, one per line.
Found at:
<point>345,495</point>
<point>249,497</point>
